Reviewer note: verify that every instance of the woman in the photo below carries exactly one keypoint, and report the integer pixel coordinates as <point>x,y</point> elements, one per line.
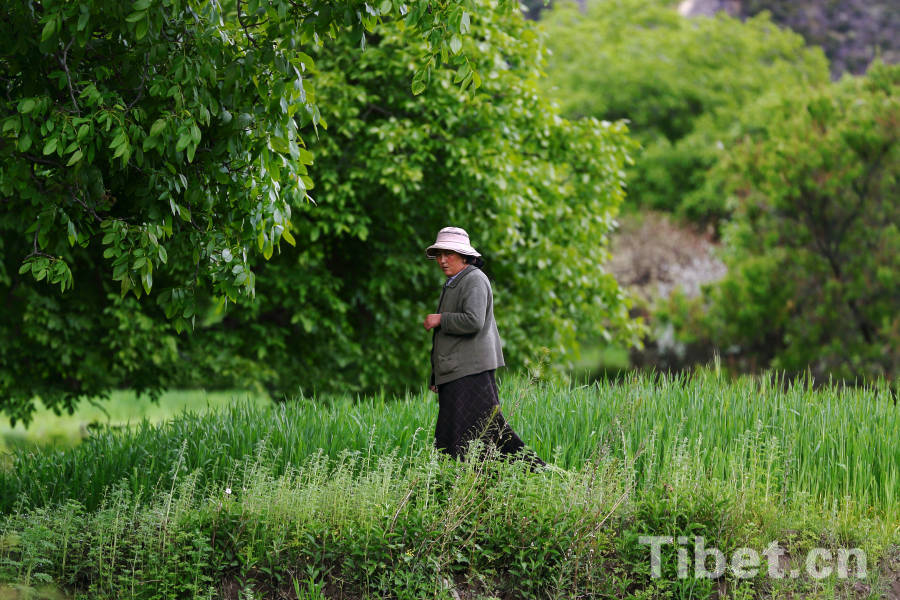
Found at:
<point>465,353</point>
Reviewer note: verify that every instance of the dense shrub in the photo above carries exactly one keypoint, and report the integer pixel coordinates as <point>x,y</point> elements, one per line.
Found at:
<point>410,529</point>
<point>814,248</point>
<point>681,83</point>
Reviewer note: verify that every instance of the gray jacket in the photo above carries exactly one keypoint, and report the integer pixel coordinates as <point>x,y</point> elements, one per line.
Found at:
<point>467,340</point>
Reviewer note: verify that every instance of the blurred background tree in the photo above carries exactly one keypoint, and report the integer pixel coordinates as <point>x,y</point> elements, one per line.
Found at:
<point>749,145</point>
<point>679,82</point>
<point>813,250</point>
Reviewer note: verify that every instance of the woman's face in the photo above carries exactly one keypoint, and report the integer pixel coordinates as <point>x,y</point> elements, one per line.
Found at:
<point>450,262</point>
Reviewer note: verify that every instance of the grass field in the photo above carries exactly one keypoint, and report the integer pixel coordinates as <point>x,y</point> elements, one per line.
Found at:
<point>343,494</point>
<point>122,408</point>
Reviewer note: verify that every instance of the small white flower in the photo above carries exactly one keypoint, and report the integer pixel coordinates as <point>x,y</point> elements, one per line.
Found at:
<point>228,491</point>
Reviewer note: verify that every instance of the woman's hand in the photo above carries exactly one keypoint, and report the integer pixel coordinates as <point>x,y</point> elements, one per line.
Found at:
<point>432,321</point>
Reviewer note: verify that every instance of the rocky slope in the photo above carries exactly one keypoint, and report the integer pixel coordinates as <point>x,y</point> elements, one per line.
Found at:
<point>851,32</point>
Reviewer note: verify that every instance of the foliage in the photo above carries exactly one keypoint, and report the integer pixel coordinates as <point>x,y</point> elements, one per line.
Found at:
<point>365,525</point>
<point>680,82</point>
<point>162,149</point>
<point>537,194</point>
<point>765,438</point>
<point>814,249</point>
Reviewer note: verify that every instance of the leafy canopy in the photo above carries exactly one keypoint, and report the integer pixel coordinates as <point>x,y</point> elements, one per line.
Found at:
<point>680,83</point>
<point>814,247</point>
<point>195,220</point>
<point>161,145</point>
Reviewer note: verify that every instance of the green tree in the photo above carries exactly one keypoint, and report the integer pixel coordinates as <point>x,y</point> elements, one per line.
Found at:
<point>814,248</point>
<point>537,193</point>
<point>156,146</point>
<point>209,109</point>
<point>681,83</point>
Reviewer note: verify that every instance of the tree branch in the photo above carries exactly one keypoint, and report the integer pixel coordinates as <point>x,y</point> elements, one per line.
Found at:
<point>43,161</point>
<point>140,88</point>
<point>244,25</point>
<point>90,209</point>
<point>65,66</point>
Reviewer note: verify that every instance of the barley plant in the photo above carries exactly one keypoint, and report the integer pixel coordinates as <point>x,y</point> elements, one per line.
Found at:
<point>834,445</point>
<point>345,497</point>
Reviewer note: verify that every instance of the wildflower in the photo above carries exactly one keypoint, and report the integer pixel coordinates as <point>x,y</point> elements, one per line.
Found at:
<point>228,491</point>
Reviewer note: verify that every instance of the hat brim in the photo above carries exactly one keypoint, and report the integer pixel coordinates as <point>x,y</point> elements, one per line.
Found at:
<point>463,249</point>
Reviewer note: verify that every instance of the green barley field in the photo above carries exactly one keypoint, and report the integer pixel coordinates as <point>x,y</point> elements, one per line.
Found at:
<point>833,444</point>
<point>234,496</point>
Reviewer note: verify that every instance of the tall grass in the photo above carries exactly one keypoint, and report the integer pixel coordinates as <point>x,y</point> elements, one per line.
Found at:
<point>411,527</point>
<point>122,408</point>
<point>835,446</point>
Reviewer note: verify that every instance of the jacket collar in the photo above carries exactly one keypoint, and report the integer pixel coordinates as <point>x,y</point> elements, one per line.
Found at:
<point>460,275</point>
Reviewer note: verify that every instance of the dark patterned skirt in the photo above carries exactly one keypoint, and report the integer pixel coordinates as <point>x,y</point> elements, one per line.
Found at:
<point>469,410</point>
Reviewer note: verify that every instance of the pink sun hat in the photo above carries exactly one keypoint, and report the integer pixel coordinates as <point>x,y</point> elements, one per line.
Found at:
<point>452,238</point>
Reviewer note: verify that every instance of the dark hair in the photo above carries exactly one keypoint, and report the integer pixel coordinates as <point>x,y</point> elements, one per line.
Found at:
<point>475,260</point>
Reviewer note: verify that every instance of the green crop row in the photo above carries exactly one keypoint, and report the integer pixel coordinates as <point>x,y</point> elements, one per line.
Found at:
<point>835,446</point>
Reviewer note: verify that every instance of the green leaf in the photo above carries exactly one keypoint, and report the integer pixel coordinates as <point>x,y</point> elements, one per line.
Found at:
<point>288,237</point>
<point>306,157</point>
<point>49,30</point>
<point>50,146</point>
<point>183,140</point>
<point>142,5</point>
<point>118,140</point>
<point>141,30</point>
<point>455,44</point>
<point>26,106</point>
<point>76,156</point>
<point>135,16</point>
<point>158,126</point>
<point>464,24</point>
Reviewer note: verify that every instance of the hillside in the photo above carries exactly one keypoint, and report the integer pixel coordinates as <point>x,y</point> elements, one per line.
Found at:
<point>851,32</point>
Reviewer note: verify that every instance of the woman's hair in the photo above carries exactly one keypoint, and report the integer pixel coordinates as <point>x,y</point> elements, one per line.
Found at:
<point>474,260</point>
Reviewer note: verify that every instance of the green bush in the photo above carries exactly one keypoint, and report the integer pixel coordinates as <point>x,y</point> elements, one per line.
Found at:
<point>537,194</point>
<point>814,248</point>
<point>681,83</point>
<point>341,310</point>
